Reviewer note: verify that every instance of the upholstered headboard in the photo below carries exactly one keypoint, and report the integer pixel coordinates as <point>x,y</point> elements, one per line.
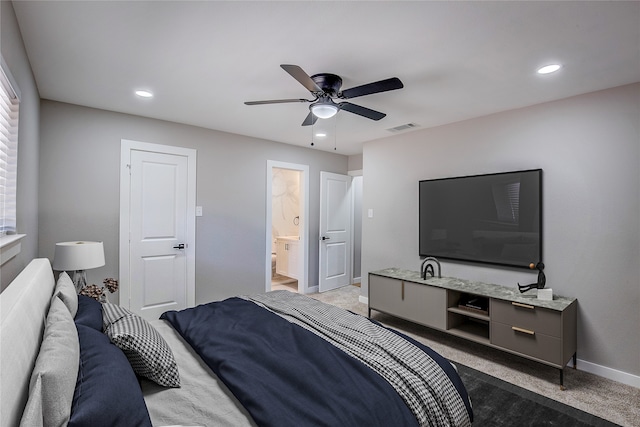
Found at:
<point>23,309</point>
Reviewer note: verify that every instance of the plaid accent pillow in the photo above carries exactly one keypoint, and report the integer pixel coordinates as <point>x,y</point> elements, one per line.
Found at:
<point>149,354</point>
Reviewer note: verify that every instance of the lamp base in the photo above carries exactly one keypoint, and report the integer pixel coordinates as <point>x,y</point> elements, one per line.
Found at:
<point>79,279</point>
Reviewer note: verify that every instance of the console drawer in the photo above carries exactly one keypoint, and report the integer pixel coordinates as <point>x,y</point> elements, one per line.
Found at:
<point>541,320</point>
<point>529,342</point>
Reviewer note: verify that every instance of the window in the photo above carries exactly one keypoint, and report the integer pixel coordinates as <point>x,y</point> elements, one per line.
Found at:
<point>9,103</point>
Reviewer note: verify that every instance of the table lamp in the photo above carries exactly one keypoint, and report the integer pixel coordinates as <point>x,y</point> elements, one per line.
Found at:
<point>78,257</point>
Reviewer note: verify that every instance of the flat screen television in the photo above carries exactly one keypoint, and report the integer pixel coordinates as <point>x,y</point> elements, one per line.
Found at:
<point>492,219</point>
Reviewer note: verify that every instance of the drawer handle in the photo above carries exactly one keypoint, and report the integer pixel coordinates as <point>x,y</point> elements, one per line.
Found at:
<point>524,331</point>
<point>519,304</point>
<point>402,290</point>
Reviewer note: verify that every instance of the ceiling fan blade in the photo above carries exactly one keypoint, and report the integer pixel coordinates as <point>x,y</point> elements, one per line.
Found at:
<point>361,111</point>
<point>376,87</point>
<point>275,101</point>
<point>310,120</point>
<point>298,73</point>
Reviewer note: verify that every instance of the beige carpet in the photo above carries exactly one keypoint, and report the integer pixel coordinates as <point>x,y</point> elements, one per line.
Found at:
<point>599,396</point>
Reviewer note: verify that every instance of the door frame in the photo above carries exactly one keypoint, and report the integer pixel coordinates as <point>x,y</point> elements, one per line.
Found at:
<point>303,282</point>
<point>354,174</point>
<point>126,147</point>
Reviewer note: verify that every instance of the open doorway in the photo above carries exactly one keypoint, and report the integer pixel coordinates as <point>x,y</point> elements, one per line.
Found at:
<point>287,204</point>
<point>285,228</point>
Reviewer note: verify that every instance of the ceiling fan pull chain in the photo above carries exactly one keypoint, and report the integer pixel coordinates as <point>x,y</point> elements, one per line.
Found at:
<point>312,134</point>
<point>335,133</point>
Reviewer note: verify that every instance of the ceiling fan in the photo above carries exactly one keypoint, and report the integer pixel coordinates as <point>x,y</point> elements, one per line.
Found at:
<point>325,88</point>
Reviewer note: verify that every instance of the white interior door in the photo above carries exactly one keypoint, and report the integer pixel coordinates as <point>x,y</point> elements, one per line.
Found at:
<point>161,241</point>
<point>335,231</point>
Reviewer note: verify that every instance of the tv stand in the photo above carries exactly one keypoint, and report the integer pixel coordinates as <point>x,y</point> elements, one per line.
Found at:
<point>493,315</point>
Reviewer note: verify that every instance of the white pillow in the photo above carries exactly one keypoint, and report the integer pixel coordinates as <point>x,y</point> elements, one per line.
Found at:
<point>32,415</point>
<point>66,290</point>
<point>54,376</point>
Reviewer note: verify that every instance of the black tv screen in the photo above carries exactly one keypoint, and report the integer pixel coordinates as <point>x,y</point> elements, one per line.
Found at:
<point>492,219</point>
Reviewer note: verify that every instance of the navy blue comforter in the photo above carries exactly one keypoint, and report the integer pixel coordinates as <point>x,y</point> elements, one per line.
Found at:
<point>283,374</point>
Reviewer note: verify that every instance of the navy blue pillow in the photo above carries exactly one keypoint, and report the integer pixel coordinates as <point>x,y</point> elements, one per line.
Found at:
<point>107,391</point>
<point>89,313</point>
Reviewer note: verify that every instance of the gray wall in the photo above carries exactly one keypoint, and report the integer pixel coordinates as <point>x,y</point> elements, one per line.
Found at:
<point>355,162</point>
<point>588,147</point>
<point>15,56</point>
<point>79,192</point>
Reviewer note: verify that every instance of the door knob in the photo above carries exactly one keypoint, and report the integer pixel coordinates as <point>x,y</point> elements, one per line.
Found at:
<point>179,246</point>
<point>325,238</point>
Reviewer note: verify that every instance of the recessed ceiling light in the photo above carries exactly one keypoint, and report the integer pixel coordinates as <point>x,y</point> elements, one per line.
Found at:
<point>144,94</point>
<point>321,135</point>
<point>551,68</point>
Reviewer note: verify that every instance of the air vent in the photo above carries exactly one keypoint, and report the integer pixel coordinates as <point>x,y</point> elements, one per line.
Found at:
<point>403,127</point>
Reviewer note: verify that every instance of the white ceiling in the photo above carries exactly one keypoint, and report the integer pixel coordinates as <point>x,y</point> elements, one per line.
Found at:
<point>202,60</point>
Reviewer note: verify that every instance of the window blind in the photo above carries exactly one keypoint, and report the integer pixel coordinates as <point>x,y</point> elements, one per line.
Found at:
<point>507,201</point>
<point>9,108</point>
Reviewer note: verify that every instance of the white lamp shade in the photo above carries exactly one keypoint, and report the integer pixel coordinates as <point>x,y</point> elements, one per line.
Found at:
<point>324,111</point>
<point>71,256</point>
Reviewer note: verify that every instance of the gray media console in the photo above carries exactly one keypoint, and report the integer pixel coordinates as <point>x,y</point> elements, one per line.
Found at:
<point>493,315</point>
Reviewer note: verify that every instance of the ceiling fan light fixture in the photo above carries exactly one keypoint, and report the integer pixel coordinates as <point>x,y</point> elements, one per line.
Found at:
<point>324,111</point>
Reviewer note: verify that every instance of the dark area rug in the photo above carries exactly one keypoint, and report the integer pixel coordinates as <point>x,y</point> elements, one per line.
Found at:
<point>498,403</point>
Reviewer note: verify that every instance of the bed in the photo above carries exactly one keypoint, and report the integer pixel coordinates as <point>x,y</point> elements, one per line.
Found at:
<point>273,359</point>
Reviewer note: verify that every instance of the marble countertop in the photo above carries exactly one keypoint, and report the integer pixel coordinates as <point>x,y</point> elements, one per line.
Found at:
<point>288,238</point>
<point>478,288</point>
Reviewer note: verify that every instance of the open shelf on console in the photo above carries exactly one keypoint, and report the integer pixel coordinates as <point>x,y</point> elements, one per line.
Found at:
<point>473,331</point>
<point>470,313</point>
<point>468,316</point>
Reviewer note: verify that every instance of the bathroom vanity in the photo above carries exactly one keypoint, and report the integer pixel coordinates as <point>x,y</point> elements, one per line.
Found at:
<point>493,315</point>
<point>287,256</point>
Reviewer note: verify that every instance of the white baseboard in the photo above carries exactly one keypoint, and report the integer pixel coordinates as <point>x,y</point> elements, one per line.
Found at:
<point>313,289</point>
<point>609,373</point>
<point>356,280</point>
<point>363,299</point>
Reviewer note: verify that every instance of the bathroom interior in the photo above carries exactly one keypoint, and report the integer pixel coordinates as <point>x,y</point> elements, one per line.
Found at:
<point>285,232</point>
